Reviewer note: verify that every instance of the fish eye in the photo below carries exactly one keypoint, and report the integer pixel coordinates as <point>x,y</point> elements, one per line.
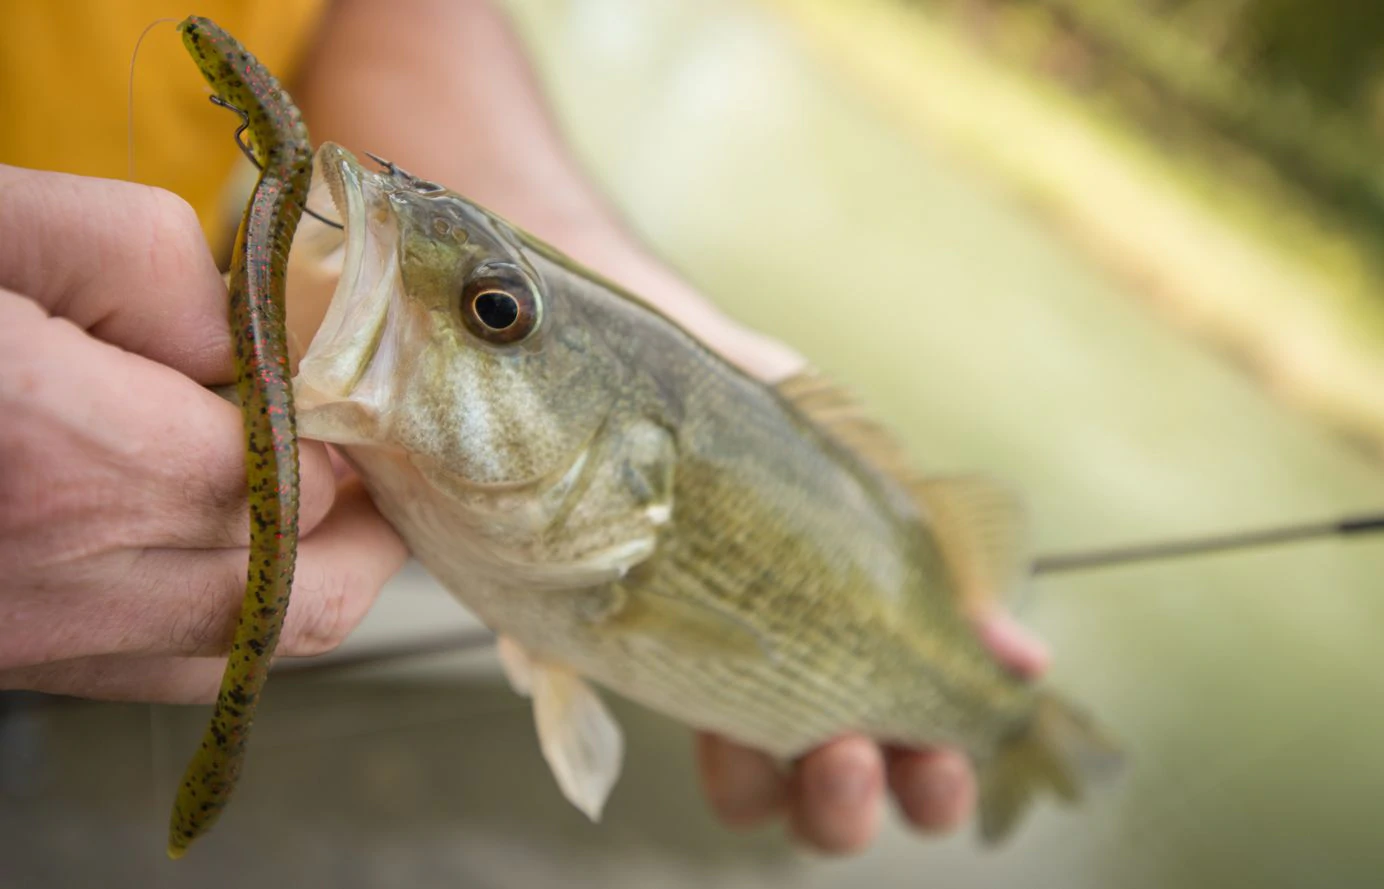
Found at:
<point>500,304</point>
<point>497,310</point>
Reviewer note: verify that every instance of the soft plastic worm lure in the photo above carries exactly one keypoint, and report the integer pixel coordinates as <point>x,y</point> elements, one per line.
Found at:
<point>263,383</point>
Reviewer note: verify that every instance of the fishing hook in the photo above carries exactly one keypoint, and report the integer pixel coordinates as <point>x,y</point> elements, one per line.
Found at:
<point>390,167</point>
<point>422,186</point>
<point>249,152</point>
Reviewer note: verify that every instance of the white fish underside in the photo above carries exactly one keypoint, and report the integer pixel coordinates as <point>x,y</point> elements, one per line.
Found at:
<point>775,698</point>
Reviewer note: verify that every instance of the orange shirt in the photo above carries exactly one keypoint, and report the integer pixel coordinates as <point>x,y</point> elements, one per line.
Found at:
<point>65,91</point>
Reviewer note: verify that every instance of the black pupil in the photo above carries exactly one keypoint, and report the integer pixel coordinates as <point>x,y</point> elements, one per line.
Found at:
<point>497,310</point>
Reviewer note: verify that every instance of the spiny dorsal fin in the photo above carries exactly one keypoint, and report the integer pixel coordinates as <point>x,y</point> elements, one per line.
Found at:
<point>980,526</point>
<point>978,522</point>
<point>840,414</point>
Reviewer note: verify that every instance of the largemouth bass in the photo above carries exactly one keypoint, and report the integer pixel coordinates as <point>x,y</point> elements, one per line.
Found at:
<point>623,506</point>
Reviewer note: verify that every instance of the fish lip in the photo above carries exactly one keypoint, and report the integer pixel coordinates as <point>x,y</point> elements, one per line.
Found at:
<point>332,371</point>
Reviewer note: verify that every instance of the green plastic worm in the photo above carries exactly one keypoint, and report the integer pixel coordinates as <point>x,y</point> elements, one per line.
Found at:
<point>263,383</point>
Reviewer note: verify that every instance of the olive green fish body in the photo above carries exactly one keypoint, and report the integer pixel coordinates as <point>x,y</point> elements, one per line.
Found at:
<point>824,569</point>
<point>620,504</point>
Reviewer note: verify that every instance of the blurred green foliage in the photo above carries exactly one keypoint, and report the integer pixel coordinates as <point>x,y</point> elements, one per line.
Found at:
<point>1283,88</point>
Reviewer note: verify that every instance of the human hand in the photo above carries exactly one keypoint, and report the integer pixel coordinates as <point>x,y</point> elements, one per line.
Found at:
<point>832,797</point>
<point>123,513</point>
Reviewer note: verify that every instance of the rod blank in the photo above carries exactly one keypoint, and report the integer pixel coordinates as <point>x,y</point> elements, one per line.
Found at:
<point>1060,563</point>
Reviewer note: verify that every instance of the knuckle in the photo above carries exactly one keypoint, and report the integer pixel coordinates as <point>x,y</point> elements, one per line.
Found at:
<point>208,623</point>
<point>175,244</point>
<point>219,495</point>
<point>170,216</point>
<point>204,596</point>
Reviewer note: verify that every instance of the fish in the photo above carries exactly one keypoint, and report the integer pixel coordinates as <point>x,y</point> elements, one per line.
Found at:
<point>630,512</point>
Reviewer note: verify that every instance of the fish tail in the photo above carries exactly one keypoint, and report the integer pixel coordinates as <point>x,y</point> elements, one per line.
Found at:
<point>1059,750</point>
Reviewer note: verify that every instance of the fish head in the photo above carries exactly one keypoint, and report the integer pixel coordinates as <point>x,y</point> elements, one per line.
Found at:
<point>447,340</point>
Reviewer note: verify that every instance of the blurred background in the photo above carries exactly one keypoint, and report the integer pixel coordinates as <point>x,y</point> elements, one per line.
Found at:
<point>1124,253</point>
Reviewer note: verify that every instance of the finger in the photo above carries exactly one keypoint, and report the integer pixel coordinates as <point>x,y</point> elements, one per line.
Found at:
<point>838,790</point>
<point>127,262</point>
<point>211,509</point>
<point>186,603</point>
<point>935,789</point>
<point>94,426</point>
<point>744,787</point>
<point>340,465</point>
<point>340,570</point>
<point>342,567</point>
<point>1015,646</point>
<point>155,680</point>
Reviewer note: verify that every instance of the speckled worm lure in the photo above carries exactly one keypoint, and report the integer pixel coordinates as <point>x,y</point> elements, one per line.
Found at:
<point>264,386</point>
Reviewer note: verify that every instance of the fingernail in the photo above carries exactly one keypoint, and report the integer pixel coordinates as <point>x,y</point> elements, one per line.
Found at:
<point>935,791</point>
<point>941,785</point>
<point>745,787</point>
<point>1016,647</point>
<point>849,782</point>
<point>838,811</point>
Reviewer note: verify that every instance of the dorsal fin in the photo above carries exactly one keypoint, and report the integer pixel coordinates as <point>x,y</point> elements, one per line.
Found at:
<point>837,411</point>
<point>978,522</point>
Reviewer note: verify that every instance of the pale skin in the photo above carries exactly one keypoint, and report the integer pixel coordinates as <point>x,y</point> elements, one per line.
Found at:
<point>122,510</point>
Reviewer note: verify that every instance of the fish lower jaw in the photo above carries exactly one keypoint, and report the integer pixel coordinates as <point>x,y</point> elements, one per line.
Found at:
<point>328,418</point>
<point>342,362</point>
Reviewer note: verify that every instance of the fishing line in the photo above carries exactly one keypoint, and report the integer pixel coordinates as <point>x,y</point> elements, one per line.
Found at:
<point>249,153</point>
<point>130,97</point>
<point>244,116</point>
<point>157,729</point>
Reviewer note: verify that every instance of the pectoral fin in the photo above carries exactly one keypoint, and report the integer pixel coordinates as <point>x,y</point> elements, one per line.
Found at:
<point>580,739</point>
<point>677,623</point>
<point>516,664</point>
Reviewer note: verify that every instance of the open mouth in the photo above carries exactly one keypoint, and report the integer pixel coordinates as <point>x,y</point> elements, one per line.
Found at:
<point>336,367</point>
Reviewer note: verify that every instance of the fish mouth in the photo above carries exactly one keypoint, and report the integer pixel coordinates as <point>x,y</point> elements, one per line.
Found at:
<point>340,387</point>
